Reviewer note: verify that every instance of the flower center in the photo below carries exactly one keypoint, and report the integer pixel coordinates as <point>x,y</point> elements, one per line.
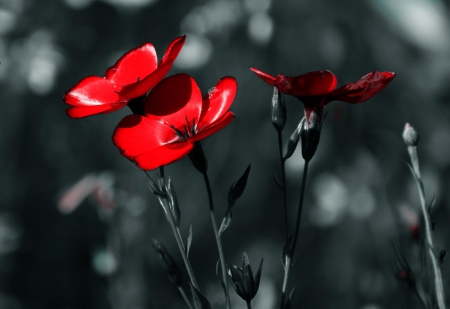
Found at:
<point>188,130</point>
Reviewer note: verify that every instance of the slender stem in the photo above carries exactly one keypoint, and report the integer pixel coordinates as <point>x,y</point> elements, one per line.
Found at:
<point>186,298</point>
<point>161,172</point>
<point>181,246</point>
<point>249,304</point>
<point>291,250</point>
<point>300,208</point>
<point>218,239</point>
<point>437,271</point>
<point>283,183</point>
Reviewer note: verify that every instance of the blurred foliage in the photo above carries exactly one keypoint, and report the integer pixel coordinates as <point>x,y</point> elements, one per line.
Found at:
<point>101,258</point>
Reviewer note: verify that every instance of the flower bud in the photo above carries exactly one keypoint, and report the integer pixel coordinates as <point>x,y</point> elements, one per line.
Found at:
<point>278,110</point>
<point>410,136</point>
<point>173,272</point>
<point>293,141</point>
<point>245,285</point>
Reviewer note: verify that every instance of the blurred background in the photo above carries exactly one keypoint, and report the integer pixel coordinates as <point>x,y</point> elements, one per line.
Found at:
<point>76,219</point>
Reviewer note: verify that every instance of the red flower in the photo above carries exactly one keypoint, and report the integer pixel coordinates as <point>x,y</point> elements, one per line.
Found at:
<point>132,76</point>
<point>168,130</point>
<point>317,89</point>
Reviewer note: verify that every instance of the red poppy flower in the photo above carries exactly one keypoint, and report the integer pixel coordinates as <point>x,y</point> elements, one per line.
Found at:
<point>317,89</point>
<point>132,76</point>
<point>168,130</point>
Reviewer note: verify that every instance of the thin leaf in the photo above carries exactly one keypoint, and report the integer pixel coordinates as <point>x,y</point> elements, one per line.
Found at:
<point>200,301</point>
<point>226,221</point>
<point>237,188</point>
<point>433,201</point>
<point>288,304</point>
<point>220,279</point>
<point>280,186</point>
<point>189,240</point>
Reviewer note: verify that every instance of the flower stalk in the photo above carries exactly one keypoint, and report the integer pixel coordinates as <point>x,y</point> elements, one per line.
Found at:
<point>411,138</point>
<point>290,247</point>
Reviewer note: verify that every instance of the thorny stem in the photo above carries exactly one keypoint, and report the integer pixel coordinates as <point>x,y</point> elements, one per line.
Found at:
<point>429,239</point>
<point>291,250</point>
<point>186,298</point>
<point>180,244</point>
<point>283,183</point>
<point>218,239</point>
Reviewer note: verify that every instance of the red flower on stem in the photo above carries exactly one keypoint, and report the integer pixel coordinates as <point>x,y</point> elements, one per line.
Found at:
<point>175,118</point>
<point>132,76</point>
<point>317,89</point>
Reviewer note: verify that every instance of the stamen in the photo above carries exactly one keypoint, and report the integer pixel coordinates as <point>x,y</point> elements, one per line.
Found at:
<point>178,133</point>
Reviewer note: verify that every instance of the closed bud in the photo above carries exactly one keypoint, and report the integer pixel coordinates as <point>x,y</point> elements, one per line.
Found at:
<point>410,136</point>
<point>245,285</point>
<point>173,273</point>
<point>293,141</point>
<point>311,137</point>
<point>278,110</point>
<point>173,203</point>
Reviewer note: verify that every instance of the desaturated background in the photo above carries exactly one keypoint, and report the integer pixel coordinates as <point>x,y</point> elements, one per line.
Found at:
<point>92,249</point>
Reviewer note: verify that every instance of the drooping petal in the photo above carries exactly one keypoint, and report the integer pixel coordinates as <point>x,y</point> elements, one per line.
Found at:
<point>145,85</point>
<point>264,76</point>
<point>176,99</point>
<point>363,89</point>
<point>218,100</point>
<point>133,66</point>
<point>163,155</point>
<point>84,111</point>
<point>92,91</point>
<point>214,127</point>
<point>309,84</point>
<point>173,50</point>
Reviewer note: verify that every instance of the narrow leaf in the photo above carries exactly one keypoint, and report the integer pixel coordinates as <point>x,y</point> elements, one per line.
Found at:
<point>280,186</point>
<point>200,301</point>
<point>238,187</point>
<point>220,279</point>
<point>226,221</point>
<point>189,240</point>
<point>288,304</point>
<point>433,201</point>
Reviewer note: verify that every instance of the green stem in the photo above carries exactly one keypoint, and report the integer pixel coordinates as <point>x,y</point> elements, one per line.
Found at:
<point>186,298</point>
<point>437,271</point>
<point>291,250</point>
<point>181,246</point>
<point>283,183</point>
<point>218,239</point>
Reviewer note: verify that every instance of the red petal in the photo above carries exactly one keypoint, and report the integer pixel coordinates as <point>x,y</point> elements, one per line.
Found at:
<point>264,76</point>
<point>173,50</point>
<point>84,111</point>
<point>92,91</point>
<point>218,100</point>
<point>145,85</point>
<point>363,89</point>
<point>149,141</point>
<point>175,99</point>
<point>136,135</point>
<point>163,155</point>
<point>309,84</point>
<point>133,66</point>
<point>214,127</point>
